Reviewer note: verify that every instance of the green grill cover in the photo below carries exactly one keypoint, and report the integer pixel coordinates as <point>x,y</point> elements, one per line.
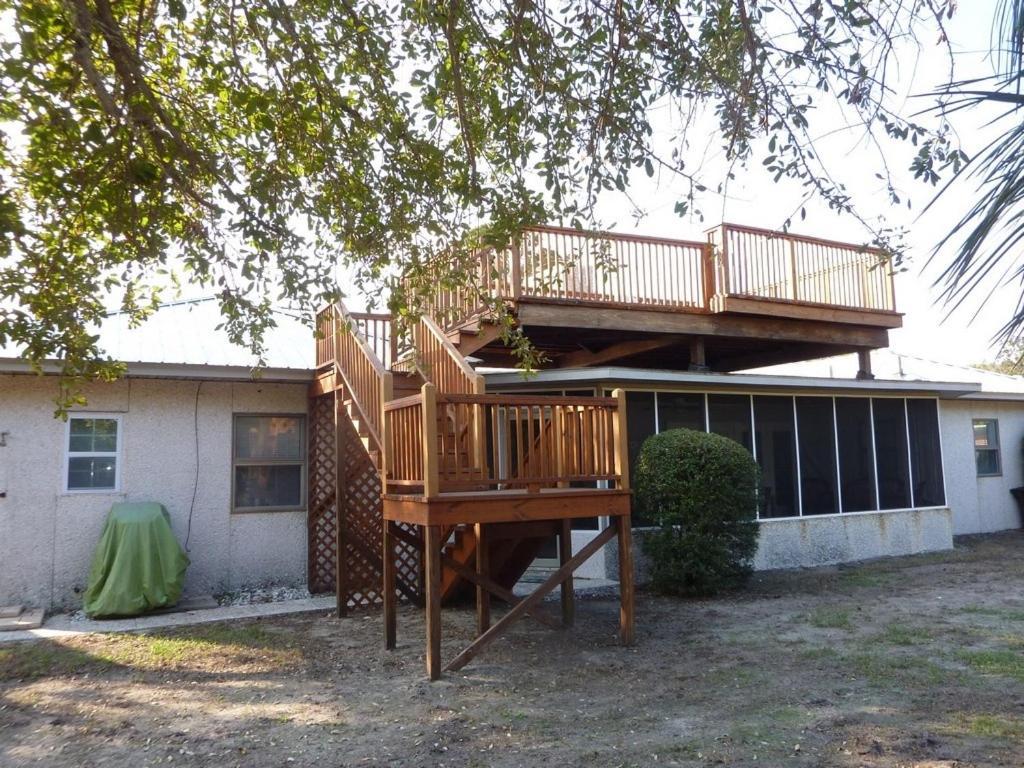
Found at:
<point>138,565</point>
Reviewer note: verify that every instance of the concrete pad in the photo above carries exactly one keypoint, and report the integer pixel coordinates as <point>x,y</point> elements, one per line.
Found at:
<point>10,611</point>
<point>62,625</point>
<point>27,620</point>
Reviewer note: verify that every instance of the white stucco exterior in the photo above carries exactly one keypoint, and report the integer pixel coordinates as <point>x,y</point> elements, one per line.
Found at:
<point>47,535</point>
<point>981,504</point>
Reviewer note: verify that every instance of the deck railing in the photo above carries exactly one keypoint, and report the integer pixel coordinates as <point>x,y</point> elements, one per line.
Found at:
<point>475,442</point>
<point>602,268</point>
<point>764,264</point>
<point>438,360</point>
<point>369,382</point>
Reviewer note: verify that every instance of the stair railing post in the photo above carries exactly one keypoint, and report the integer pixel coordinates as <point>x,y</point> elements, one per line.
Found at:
<point>479,426</point>
<point>517,271</point>
<point>430,473</point>
<point>387,394</point>
<point>620,437</point>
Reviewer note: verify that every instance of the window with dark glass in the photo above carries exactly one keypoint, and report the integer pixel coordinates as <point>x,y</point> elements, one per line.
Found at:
<point>680,410</point>
<point>776,455</point>
<point>269,463</point>
<point>925,453</point>
<point>819,482</point>
<point>986,447</point>
<point>639,426</point>
<point>856,459</point>
<point>729,416</point>
<point>893,464</point>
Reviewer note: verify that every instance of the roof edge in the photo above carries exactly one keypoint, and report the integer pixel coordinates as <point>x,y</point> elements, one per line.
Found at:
<point>192,371</point>
<point>613,374</point>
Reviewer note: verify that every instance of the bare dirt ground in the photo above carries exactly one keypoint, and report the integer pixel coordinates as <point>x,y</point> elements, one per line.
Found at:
<point>911,662</point>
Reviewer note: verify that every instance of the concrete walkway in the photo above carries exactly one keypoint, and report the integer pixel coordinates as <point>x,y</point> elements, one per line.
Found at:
<point>61,625</point>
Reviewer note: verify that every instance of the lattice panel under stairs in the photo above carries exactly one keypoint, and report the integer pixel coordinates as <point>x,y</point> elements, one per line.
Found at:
<point>361,515</point>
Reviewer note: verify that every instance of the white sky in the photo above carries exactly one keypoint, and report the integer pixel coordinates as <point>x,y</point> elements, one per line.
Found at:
<point>752,198</point>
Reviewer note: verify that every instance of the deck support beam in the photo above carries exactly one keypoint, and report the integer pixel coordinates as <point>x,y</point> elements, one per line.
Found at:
<point>390,598</point>
<point>483,571</point>
<point>864,364</point>
<point>432,555</point>
<point>568,592</point>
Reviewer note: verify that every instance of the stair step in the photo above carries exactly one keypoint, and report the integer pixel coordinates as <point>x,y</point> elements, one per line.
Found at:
<point>31,619</point>
<point>9,611</point>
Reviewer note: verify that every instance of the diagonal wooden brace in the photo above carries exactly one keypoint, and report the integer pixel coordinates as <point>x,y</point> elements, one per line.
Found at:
<point>479,580</point>
<point>525,605</point>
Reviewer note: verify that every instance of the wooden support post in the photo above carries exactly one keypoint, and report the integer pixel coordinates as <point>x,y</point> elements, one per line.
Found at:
<point>564,555</point>
<point>483,570</point>
<point>621,439</point>
<point>698,358</point>
<point>432,554</point>
<point>624,531</point>
<point>340,539</point>
<point>864,364</point>
<point>390,598</point>
<point>430,445</point>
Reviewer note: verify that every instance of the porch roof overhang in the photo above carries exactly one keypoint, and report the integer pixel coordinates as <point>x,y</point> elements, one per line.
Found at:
<point>644,378</point>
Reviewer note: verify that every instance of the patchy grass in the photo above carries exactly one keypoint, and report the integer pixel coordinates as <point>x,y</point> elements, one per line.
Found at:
<point>899,633</point>
<point>985,726</point>
<point>828,617</point>
<point>864,579</point>
<point>888,670</point>
<point>1005,663</point>
<point>1003,614</point>
<point>210,648</point>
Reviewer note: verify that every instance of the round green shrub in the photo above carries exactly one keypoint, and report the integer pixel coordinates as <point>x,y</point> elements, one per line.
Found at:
<point>701,491</point>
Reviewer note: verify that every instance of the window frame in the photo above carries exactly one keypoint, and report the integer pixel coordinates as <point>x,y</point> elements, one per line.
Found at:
<point>997,448</point>
<point>69,454</point>
<point>303,464</point>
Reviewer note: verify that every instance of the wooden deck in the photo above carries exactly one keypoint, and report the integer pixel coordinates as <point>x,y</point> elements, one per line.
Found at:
<point>742,298</point>
<point>465,485</point>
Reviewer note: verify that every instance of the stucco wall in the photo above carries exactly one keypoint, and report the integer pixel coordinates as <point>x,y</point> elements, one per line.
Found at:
<point>47,536</point>
<point>981,504</point>
<point>829,539</point>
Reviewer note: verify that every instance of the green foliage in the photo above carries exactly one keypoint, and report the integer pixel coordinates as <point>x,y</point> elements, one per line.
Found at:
<point>254,148</point>
<point>701,490</point>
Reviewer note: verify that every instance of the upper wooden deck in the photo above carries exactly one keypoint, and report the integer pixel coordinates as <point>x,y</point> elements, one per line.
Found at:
<point>743,297</point>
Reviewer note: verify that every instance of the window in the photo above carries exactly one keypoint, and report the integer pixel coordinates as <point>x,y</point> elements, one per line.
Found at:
<point>892,460</point>
<point>729,416</point>
<point>856,454</point>
<point>269,463</point>
<point>639,426</point>
<point>819,484</point>
<point>986,447</point>
<point>93,453</point>
<point>925,453</point>
<point>680,410</point>
<point>775,438</point>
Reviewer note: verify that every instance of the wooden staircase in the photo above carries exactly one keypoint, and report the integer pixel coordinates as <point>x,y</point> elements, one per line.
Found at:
<point>357,360</point>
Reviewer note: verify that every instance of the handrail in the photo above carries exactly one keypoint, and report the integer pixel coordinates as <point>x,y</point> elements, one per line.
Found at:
<point>767,264</point>
<point>550,263</point>
<point>440,362</point>
<point>369,383</point>
<point>528,443</point>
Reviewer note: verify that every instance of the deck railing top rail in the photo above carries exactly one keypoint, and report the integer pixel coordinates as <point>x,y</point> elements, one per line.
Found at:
<point>559,264</point>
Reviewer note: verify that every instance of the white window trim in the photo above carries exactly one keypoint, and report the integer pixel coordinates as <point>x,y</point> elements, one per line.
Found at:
<point>997,448</point>
<point>118,417</point>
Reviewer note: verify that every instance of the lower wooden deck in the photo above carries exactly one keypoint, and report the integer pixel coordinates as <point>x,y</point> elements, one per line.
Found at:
<point>448,509</point>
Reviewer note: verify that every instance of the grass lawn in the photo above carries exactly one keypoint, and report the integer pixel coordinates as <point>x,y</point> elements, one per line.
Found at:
<point>910,662</point>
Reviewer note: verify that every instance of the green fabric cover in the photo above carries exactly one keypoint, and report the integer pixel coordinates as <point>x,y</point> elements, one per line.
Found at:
<point>138,565</point>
